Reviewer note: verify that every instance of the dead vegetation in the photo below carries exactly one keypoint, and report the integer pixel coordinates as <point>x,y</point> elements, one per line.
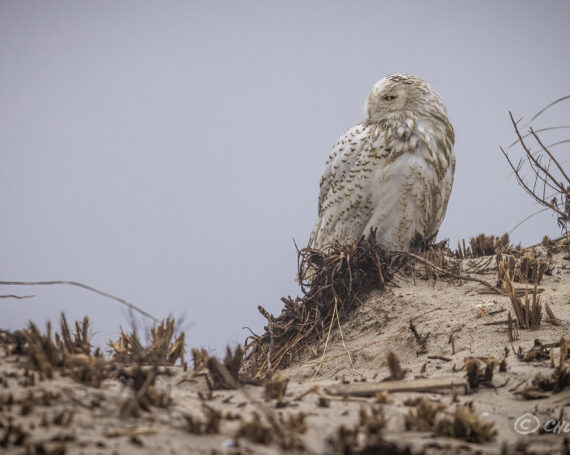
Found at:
<point>524,269</point>
<point>480,371</point>
<point>164,348</point>
<point>275,386</point>
<point>145,395</point>
<point>484,245</point>
<point>224,375</point>
<point>396,370</point>
<point>543,169</point>
<point>71,354</point>
<point>365,437</point>
<point>529,313</point>
<point>335,282</point>
<point>560,377</point>
<point>255,430</point>
<point>338,280</point>
<point>462,423</point>
<point>211,425</point>
<point>65,351</point>
<point>555,382</point>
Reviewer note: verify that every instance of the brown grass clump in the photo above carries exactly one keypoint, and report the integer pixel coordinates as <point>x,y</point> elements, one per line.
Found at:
<point>145,394</point>
<point>396,370</point>
<point>370,426</point>
<point>526,269</point>
<point>199,358</point>
<point>210,426</point>
<point>484,245</point>
<point>372,423</point>
<point>231,366</point>
<point>466,424</point>
<point>70,352</point>
<point>332,283</point>
<point>164,347</point>
<point>463,423</point>
<point>255,430</point>
<point>222,375</point>
<point>529,314</point>
<point>275,386</point>
<point>295,424</point>
<point>480,372</point>
<point>537,353</point>
<point>560,377</point>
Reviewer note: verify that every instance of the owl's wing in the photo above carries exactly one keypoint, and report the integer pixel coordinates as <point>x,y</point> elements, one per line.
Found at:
<point>340,187</point>
<point>342,158</point>
<point>446,185</point>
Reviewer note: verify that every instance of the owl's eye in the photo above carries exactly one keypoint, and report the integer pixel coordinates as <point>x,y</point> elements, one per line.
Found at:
<point>389,97</point>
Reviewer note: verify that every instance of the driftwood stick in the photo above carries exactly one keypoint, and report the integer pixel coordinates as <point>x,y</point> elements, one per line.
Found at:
<point>415,385</point>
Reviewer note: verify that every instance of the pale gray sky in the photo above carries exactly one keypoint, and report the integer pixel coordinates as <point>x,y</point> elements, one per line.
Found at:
<point>169,152</point>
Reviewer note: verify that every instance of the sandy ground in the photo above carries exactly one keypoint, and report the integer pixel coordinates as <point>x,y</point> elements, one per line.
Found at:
<point>64,416</point>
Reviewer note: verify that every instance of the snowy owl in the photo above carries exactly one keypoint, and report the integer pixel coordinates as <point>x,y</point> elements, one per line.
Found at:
<point>393,171</point>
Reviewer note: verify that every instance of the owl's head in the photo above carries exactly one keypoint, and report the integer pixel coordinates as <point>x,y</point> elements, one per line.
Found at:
<point>397,95</point>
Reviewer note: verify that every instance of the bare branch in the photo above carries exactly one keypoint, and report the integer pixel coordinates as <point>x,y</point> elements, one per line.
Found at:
<point>531,157</point>
<point>84,286</point>
<point>522,183</point>
<point>550,155</point>
<point>12,296</point>
<point>540,131</point>
<point>546,171</point>
<point>528,218</point>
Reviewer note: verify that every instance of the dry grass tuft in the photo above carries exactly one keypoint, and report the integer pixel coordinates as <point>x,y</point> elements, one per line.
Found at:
<point>332,284</point>
<point>255,430</point>
<point>560,377</point>
<point>224,375</point>
<point>145,394</point>
<point>211,425</point>
<point>529,314</point>
<point>275,386</point>
<point>396,370</point>
<point>484,245</point>
<point>295,424</point>
<point>525,269</point>
<point>537,353</point>
<point>480,371</point>
<point>463,423</point>
<point>372,423</point>
<point>70,352</point>
<point>199,358</point>
<point>232,365</point>
<point>365,437</point>
<point>164,347</point>
<point>466,424</point>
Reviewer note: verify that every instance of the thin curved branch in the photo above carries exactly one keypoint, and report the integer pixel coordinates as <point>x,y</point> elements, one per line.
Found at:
<point>540,131</point>
<point>544,109</point>
<point>84,286</point>
<point>531,156</point>
<point>528,218</point>
<point>550,155</point>
<point>12,296</point>
<point>528,190</point>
